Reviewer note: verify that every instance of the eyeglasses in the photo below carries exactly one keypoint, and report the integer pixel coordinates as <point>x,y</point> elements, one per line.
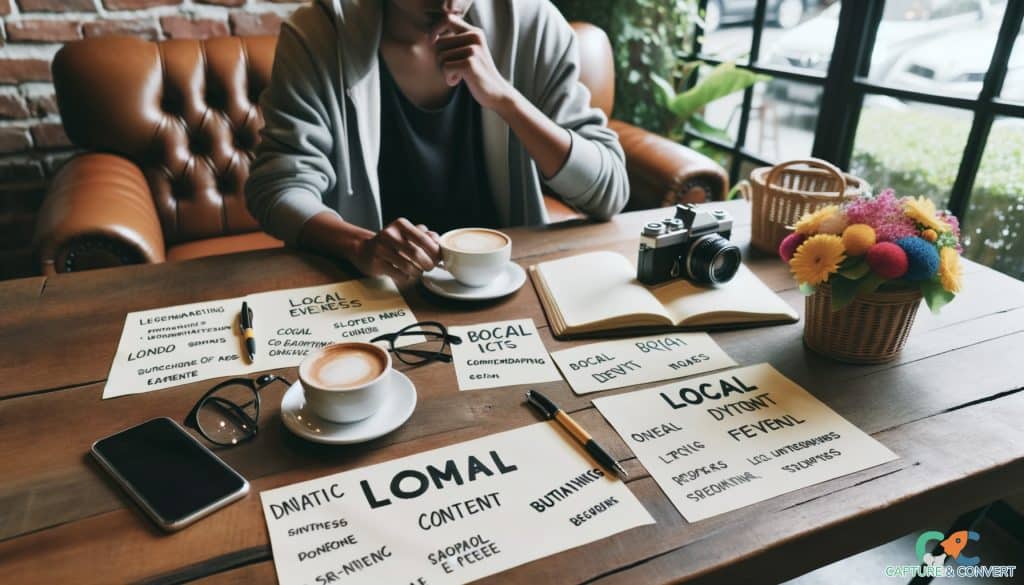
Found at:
<point>437,341</point>
<point>228,414</point>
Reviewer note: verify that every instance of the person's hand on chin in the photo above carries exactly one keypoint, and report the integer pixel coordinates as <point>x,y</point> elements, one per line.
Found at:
<point>463,55</point>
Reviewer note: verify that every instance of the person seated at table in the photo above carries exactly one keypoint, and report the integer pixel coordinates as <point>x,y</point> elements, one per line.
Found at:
<point>384,117</point>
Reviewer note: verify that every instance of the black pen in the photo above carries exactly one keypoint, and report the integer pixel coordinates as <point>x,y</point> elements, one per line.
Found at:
<point>250,335</point>
<point>551,411</point>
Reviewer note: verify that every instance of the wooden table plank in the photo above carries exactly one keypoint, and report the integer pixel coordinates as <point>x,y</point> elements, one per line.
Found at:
<point>894,395</point>
<point>58,496</point>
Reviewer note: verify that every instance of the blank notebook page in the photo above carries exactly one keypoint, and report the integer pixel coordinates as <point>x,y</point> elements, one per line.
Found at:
<point>593,287</point>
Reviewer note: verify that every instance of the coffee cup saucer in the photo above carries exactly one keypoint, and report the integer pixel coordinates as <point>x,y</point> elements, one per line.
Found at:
<point>441,282</point>
<point>399,404</point>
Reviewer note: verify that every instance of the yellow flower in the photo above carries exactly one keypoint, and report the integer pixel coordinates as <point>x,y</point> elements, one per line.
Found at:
<point>827,220</point>
<point>816,258</point>
<point>922,210</point>
<point>950,270</point>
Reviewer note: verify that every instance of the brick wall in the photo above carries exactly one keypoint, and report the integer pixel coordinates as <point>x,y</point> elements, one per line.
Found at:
<point>32,141</point>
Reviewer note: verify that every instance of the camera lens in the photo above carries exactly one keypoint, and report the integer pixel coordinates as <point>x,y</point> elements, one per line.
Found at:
<point>713,260</point>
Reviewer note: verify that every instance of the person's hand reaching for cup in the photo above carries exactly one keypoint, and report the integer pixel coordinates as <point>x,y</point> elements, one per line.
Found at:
<point>401,250</point>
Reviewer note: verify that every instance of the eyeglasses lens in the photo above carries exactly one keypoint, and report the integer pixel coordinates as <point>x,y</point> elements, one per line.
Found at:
<point>229,415</point>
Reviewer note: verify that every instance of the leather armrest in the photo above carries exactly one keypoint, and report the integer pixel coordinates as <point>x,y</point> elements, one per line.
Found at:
<point>663,172</point>
<point>98,212</point>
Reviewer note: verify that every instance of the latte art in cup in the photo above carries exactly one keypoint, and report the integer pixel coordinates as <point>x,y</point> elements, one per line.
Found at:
<point>345,367</point>
<point>475,256</point>
<point>345,382</point>
<point>476,240</point>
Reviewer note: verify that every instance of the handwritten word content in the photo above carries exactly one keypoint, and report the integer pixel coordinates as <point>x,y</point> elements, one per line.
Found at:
<point>450,515</point>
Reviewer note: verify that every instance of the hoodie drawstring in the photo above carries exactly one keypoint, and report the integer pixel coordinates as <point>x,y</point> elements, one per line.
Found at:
<point>346,177</point>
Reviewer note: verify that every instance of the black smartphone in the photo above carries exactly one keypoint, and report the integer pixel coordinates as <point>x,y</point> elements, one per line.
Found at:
<point>174,477</point>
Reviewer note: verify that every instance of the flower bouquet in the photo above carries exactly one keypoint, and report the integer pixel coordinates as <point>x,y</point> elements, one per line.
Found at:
<point>865,266</point>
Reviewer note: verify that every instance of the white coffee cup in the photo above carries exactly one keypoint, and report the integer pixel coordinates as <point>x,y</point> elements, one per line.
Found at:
<point>345,382</point>
<point>475,256</point>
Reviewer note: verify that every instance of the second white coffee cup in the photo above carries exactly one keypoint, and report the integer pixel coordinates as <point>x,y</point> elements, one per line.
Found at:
<point>345,382</point>
<point>475,256</point>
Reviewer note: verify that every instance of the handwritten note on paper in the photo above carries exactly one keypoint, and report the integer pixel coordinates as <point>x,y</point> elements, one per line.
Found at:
<point>720,442</point>
<point>626,362</point>
<point>168,347</point>
<point>504,353</point>
<point>450,515</point>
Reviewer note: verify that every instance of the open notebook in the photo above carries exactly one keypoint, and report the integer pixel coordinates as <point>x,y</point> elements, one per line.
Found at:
<point>598,292</point>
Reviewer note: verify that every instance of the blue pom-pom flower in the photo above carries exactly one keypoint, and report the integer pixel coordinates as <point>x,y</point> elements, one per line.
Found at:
<point>922,258</point>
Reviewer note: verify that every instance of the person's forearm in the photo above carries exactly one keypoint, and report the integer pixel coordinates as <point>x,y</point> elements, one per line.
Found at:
<point>546,142</point>
<point>327,233</point>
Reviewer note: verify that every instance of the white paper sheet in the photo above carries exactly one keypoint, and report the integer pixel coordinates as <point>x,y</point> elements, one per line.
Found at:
<point>627,362</point>
<point>500,354</point>
<point>178,345</point>
<point>720,442</point>
<point>450,515</point>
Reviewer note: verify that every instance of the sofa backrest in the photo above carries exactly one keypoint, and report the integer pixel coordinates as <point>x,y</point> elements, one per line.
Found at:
<point>187,113</point>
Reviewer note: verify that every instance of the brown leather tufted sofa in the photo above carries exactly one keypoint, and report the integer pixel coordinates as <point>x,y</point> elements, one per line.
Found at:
<point>169,130</point>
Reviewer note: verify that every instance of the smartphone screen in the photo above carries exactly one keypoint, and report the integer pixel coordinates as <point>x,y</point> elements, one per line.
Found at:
<point>169,472</point>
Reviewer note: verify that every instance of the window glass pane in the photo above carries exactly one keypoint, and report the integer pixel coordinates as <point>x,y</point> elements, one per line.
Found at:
<point>729,32</point>
<point>800,34</point>
<point>994,229</point>
<point>783,116</point>
<point>912,147</point>
<point>940,47</point>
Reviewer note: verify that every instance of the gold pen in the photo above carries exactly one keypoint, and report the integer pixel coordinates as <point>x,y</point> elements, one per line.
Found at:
<point>551,411</point>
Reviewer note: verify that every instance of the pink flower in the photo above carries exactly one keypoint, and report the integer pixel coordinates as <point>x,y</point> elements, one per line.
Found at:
<point>954,226</point>
<point>884,213</point>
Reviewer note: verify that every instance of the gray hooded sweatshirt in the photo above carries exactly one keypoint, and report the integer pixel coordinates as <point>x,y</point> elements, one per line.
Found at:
<point>316,154</point>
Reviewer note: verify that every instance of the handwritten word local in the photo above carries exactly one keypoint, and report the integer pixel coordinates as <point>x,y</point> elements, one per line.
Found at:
<point>324,303</point>
<point>707,391</point>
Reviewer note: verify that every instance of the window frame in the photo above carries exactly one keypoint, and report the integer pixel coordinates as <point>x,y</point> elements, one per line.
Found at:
<point>845,84</point>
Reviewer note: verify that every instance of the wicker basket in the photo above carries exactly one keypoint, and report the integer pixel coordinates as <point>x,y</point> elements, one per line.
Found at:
<point>782,194</point>
<point>870,330</point>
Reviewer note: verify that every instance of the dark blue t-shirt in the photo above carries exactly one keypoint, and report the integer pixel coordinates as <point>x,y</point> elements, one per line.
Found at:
<point>431,167</point>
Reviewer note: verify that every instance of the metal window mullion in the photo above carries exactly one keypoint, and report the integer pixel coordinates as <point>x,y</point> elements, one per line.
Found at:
<point>984,114</point>
<point>807,76</point>
<point>748,94</point>
<point>973,104</point>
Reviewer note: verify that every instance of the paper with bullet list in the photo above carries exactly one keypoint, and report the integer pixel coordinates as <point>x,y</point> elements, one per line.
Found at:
<point>500,354</point>
<point>171,346</point>
<point>719,442</point>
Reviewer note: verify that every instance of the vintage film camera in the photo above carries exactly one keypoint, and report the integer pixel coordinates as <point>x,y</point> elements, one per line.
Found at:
<point>693,245</point>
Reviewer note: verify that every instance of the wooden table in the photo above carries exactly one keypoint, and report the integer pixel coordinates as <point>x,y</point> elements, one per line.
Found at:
<point>951,406</point>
